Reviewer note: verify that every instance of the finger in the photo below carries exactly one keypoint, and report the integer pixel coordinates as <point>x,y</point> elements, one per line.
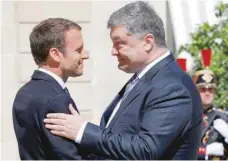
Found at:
<point>57,116</point>
<point>55,121</point>
<point>72,110</point>
<point>55,127</point>
<point>59,133</point>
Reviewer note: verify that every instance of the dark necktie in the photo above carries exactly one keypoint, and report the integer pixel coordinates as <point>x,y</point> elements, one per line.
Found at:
<point>72,102</point>
<point>131,83</point>
<point>66,90</point>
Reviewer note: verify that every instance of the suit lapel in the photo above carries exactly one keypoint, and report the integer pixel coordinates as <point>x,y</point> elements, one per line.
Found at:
<point>108,111</point>
<point>131,96</point>
<point>110,108</point>
<point>39,75</point>
<point>157,67</point>
<point>140,86</point>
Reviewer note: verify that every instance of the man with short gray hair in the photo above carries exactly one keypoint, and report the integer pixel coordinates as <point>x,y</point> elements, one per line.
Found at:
<point>157,114</point>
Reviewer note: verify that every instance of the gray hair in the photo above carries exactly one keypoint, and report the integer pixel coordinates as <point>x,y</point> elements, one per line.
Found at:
<point>140,19</point>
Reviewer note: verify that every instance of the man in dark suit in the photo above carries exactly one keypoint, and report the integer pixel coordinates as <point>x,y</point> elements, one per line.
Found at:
<point>57,48</point>
<point>157,114</point>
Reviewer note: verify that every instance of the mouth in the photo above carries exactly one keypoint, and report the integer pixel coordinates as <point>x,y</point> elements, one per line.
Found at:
<point>80,62</point>
<point>81,65</point>
<point>120,60</point>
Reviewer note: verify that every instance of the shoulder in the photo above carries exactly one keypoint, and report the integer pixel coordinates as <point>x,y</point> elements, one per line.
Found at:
<point>170,75</point>
<point>166,81</point>
<point>59,100</point>
<point>221,113</point>
<point>168,91</point>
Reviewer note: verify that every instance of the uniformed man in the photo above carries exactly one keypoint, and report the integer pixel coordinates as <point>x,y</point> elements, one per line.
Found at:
<point>214,140</point>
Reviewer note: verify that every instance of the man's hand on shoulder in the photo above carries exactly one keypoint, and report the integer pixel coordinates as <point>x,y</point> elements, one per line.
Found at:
<point>65,125</point>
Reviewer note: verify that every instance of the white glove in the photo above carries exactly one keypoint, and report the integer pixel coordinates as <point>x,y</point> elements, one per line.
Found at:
<point>226,140</point>
<point>222,127</point>
<point>215,148</point>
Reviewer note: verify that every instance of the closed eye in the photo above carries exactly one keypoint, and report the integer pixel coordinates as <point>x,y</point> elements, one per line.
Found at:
<point>79,50</point>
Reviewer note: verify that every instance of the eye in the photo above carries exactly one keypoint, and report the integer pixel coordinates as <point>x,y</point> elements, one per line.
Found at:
<point>118,44</point>
<point>79,50</point>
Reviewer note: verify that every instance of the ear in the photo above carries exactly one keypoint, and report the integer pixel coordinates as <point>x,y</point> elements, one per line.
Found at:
<point>149,42</point>
<point>55,54</point>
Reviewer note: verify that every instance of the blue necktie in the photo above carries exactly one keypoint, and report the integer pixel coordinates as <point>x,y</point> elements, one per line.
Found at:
<point>131,83</point>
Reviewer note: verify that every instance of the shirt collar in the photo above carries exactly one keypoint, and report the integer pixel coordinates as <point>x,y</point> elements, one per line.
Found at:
<point>56,77</point>
<point>153,63</point>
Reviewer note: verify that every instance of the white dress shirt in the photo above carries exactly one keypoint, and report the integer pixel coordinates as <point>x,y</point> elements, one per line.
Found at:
<point>140,75</point>
<point>56,77</point>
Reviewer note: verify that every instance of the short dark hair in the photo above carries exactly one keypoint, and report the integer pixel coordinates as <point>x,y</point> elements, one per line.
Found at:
<point>49,33</point>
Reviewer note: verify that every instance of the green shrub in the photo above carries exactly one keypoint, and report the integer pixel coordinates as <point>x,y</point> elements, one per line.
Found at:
<point>214,37</point>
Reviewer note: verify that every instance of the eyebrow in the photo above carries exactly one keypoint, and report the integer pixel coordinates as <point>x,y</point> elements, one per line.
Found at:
<point>115,38</point>
<point>79,48</point>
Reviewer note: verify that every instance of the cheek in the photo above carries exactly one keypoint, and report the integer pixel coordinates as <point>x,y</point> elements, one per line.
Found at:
<point>132,54</point>
<point>75,58</point>
<point>140,57</point>
<point>202,95</point>
<point>123,50</point>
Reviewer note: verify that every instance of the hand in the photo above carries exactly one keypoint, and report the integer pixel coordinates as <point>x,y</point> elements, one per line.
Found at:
<point>215,148</point>
<point>222,127</point>
<point>64,125</point>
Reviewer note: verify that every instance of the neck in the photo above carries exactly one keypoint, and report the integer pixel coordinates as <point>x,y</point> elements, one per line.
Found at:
<point>154,54</point>
<point>56,71</point>
<point>206,108</point>
<point>157,52</point>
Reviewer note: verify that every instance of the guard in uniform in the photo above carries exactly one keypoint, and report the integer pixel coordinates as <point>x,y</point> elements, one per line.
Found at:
<point>214,138</point>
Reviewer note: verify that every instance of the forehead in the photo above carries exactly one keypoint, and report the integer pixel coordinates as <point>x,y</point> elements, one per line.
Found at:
<point>118,32</point>
<point>73,38</point>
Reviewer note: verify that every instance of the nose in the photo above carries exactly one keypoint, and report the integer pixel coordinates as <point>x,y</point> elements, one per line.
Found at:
<point>85,54</point>
<point>207,92</point>
<point>114,52</point>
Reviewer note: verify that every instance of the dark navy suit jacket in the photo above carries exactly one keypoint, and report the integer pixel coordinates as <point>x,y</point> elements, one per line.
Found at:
<point>41,95</point>
<point>161,118</point>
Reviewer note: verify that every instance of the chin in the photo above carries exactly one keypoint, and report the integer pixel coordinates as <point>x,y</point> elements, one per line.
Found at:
<point>127,70</point>
<point>124,68</point>
<point>77,74</point>
<point>207,103</point>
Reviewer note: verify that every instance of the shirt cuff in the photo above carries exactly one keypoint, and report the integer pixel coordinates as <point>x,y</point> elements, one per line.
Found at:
<point>80,133</point>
